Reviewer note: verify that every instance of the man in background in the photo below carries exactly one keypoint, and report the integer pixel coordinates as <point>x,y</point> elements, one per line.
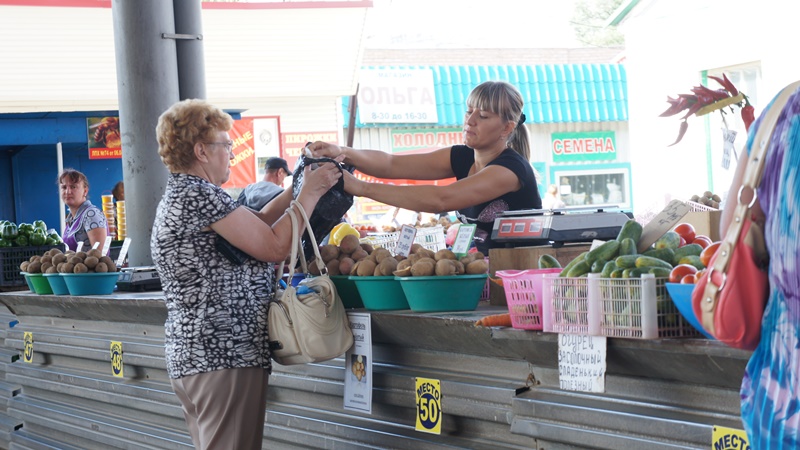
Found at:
<point>258,194</point>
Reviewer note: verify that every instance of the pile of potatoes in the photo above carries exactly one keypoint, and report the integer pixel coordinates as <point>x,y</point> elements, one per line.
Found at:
<point>56,261</point>
<point>351,257</point>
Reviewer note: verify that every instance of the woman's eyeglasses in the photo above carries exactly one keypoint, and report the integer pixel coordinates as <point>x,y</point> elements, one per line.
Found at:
<point>228,145</point>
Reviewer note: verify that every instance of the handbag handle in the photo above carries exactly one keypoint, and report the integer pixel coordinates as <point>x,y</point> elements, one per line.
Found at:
<point>296,233</point>
<point>751,180</point>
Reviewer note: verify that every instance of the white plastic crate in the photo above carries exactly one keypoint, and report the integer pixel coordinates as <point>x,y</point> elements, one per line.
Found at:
<point>638,308</point>
<point>431,238</point>
<point>695,206</point>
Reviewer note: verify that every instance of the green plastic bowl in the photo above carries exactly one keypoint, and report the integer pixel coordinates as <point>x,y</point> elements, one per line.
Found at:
<point>28,281</point>
<point>381,293</point>
<point>57,283</point>
<point>40,284</point>
<point>443,293</point>
<point>347,291</point>
<point>91,283</point>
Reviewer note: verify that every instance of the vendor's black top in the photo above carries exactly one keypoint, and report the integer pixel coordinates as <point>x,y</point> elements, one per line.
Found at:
<point>483,215</point>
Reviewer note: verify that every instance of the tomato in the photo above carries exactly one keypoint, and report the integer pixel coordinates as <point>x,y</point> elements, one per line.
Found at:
<point>699,275</point>
<point>678,272</point>
<point>708,253</point>
<point>686,231</point>
<point>688,279</point>
<point>683,242</point>
<point>702,241</point>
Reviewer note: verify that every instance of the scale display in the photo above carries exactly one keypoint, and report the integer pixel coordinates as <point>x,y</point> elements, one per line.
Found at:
<point>556,227</point>
<point>522,227</point>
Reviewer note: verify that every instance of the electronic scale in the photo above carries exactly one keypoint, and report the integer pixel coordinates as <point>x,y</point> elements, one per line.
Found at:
<point>557,227</point>
<point>143,278</point>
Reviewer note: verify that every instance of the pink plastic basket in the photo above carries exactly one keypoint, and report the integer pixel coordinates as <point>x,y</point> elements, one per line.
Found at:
<point>524,296</point>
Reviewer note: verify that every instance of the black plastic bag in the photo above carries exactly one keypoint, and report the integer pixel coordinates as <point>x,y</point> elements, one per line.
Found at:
<point>330,209</point>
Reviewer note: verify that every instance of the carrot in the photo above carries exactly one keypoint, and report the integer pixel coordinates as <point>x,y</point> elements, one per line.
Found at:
<point>495,320</point>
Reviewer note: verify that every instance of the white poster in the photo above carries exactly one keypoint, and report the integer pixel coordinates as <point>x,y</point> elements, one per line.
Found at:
<point>266,142</point>
<point>582,363</point>
<point>397,96</point>
<point>358,365</point>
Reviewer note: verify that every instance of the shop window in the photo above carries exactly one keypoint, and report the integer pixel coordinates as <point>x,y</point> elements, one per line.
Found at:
<point>605,185</point>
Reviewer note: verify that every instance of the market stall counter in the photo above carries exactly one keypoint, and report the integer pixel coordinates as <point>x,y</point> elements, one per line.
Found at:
<point>91,374</point>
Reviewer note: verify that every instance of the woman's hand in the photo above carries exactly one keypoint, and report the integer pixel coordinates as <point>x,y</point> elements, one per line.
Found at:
<point>321,149</point>
<point>316,182</point>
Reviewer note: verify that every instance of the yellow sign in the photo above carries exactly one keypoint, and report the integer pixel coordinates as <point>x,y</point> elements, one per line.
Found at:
<point>28,347</point>
<point>429,405</point>
<point>729,439</point>
<point>116,359</point>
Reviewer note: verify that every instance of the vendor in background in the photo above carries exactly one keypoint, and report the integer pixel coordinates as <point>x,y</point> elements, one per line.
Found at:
<point>119,192</point>
<point>85,222</point>
<point>492,169</point>
<point>552,199</point>
<point>258,194</point>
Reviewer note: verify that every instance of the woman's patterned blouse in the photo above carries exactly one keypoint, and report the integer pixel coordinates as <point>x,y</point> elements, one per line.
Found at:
<point>216,310</point>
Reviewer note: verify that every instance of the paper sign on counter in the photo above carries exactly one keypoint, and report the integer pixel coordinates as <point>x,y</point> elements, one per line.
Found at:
<point>405,240</point>
<point>463,239</point>
<point>582,363</point>
<point>358,365</point>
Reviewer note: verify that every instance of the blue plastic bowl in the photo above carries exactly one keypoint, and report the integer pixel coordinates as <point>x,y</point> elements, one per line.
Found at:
<point>57,283</point>
<point>681,295</point>
<point>28,281</point>
<point>381,293</point>
<point>91,283</point>
<point>443,293</point>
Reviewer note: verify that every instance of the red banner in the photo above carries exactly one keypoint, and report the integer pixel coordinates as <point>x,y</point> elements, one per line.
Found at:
<point>293,143</point>
<point>243,164</point>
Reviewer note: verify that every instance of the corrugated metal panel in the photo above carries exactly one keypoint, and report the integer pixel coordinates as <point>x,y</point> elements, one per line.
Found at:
<point>552,93</point>
<point>63,59</point>
<point>662,394</point>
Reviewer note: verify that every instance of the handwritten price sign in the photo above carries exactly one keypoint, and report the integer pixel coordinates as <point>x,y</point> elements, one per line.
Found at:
<point>405,240</point>
<point>463,239</point>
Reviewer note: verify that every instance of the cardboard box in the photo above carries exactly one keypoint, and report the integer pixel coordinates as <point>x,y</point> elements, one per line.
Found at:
<point>522,258</point>
<point>705,222</point>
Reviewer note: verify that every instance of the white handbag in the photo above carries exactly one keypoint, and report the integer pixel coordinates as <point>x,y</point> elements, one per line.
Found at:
<point>308,327</point>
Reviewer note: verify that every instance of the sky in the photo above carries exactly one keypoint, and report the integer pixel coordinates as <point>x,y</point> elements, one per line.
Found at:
<point>471,24</point>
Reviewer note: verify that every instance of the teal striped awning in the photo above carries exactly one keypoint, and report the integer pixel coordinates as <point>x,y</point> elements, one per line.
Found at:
<point>553,93</point>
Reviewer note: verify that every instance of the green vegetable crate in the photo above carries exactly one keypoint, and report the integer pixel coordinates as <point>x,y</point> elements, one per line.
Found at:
<point>12,257</point>
<point>637,308</point>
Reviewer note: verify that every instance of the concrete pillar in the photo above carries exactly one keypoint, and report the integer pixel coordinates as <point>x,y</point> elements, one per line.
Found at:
<point>191,64</point>
<point>147,84</point>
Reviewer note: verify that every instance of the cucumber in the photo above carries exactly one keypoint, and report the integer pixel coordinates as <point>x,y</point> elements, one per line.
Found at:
<point>606,251</point>
<point>617,273</point>
<point>547,261</point>
<point>570,264</point>
<point>609,267</point>
<point>692,260</point>
<point>630,229</point>
<point>580,268</point>
<point>686,250</point>
<point>659,272</point>
<point>627,261</point>
<point>649,261</point>
<point>598,265</point>
<point>665,254</point>
<point>627,246</point>
<point>634,272</point>
<point>670,239</point>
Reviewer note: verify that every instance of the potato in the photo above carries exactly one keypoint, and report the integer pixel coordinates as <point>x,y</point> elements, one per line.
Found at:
<point>415,248</point>
<point>404,264</point>
<point>359,254</point>
<point>377,271</point>
<point>405,272</point>
<point>328,252</point>
<point>366,267</point>
<point>91,261</point>
<point>445,267</point>
<point>444,254</point>
<point>387,266</point>
<point>34,267</point>
<point>346,265</point>
<point>45,266</point>
<point>52,269</point>
<point>477,267</point>
<point>59,258</point>
<point>423,268</point>
<point>67,267</point>
<point>367,247</point>
<point>460,269</point>
<point>112,266</point>
<point>333,267</point>
<point>101,268</point>
<point>94,252</point>
<point>81,255</point>
<point>80,268</point>
<point>354,270</point>
<point>400,258</point>
<point>24,266</point>
<point>313,268</point>
<point>46,259</point>
<point>75,260</point>
<point>349,244</point>
<point>380,254</point>
<point>425,253</point>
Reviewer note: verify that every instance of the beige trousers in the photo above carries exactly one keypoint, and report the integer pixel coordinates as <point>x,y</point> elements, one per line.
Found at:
<point>225,409</point>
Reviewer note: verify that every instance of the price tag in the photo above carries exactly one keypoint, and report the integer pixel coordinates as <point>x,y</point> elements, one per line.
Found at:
<point>79,247</point>
<point>405,240</point>
<point>106,245</point>
<point>728,138</point>
<point>96,244</point>
<point>463,239</point>
<point>582,363</point>
<point>27,354</point>
<point>123,252</point>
